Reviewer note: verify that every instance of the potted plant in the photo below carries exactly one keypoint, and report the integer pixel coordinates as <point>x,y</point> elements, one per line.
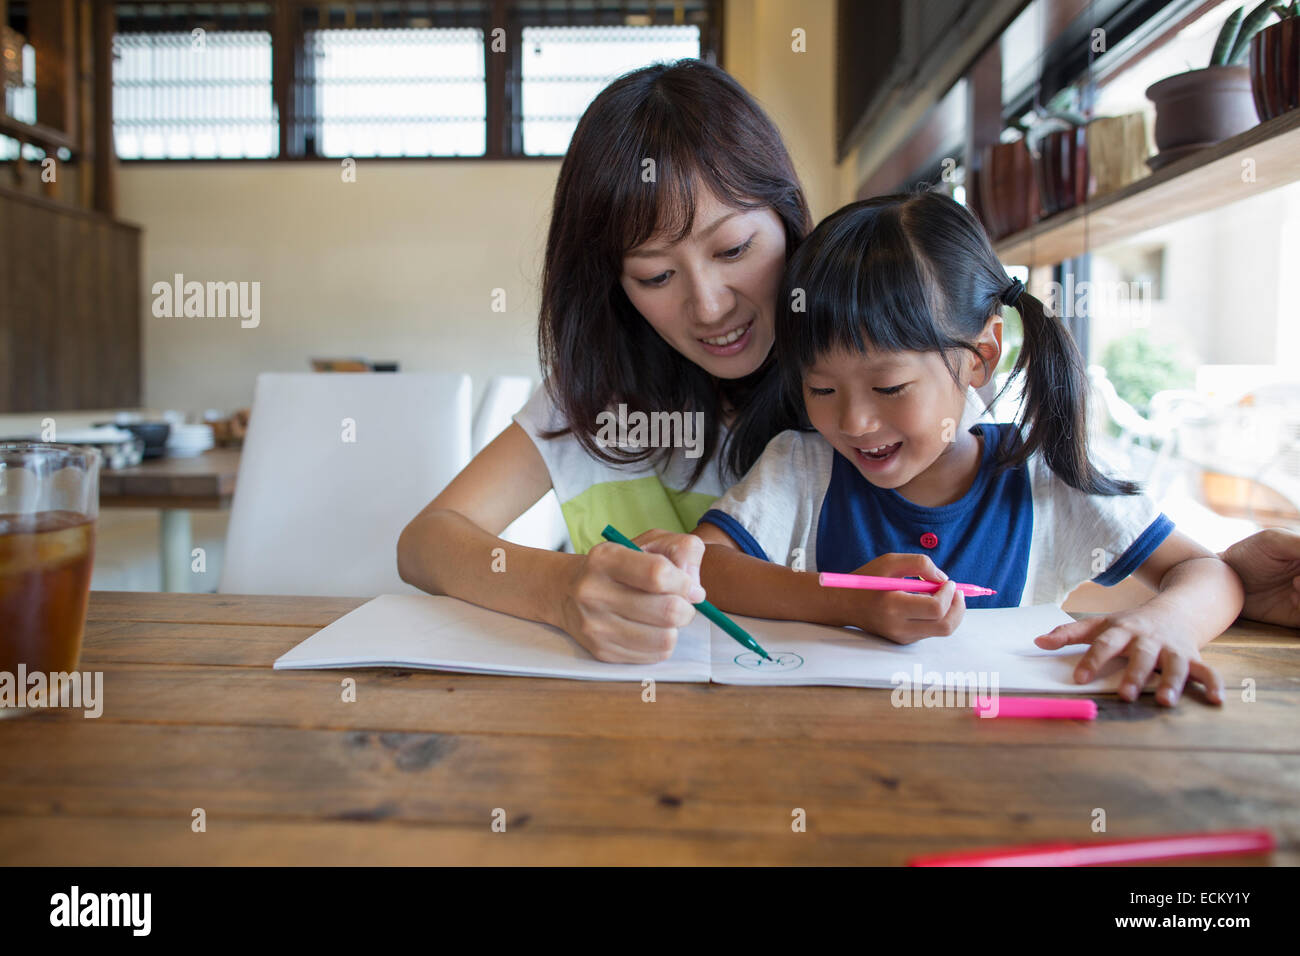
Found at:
<point>1057,138</point>
<point>1054,159</point>
<point>1202,107</point>
<point>1010,185</point>
<point>1275,63</point>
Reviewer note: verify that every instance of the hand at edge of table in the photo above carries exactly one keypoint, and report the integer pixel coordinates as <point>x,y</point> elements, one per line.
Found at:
<point>1268,563</point>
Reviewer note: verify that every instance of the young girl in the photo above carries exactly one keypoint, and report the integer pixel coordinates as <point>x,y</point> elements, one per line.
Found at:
<point>890,309</point>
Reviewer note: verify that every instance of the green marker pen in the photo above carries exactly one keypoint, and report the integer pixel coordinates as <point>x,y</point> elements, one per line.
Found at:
<point>704,607</point>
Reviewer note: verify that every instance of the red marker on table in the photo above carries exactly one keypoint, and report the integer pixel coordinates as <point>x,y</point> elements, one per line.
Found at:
<point>867,582</point>
<point>1107,852</point>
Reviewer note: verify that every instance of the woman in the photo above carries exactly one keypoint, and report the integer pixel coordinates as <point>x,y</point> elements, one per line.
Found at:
<point>675,211</point>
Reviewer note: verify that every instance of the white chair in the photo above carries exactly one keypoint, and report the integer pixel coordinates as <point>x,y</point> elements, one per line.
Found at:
<point>542,525</point>
<point>1272,419</point>
<point>334,466</point>
<point>1143,449</point>
<point>1134,429</point>
<point>503,396</point>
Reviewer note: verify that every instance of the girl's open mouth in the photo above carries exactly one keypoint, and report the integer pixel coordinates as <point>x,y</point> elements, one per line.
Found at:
<point>730,343</point>
<point>876,459</point>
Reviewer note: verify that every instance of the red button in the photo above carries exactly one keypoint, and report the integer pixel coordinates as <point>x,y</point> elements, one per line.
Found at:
<point>929,540</point>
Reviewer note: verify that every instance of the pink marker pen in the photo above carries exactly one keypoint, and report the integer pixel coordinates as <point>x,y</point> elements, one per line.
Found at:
<point>1063,708</point>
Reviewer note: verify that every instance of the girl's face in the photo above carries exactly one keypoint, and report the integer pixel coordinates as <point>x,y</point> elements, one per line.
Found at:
<point>896,415</point>
<point>712,296</point>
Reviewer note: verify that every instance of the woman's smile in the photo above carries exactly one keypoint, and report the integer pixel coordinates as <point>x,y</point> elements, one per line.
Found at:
<point>730,342</point>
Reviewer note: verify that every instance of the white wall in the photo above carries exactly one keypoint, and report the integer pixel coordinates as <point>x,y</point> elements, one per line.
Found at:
<point>400,264</point>
<point>797,89</point>
<point>1227,298</point>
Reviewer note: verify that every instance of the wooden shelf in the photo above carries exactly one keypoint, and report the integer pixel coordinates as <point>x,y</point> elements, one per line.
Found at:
<point>46,137</point>
<point>1202,181</point>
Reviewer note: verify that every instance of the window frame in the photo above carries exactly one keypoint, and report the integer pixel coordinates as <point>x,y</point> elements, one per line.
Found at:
<point>290,20</point>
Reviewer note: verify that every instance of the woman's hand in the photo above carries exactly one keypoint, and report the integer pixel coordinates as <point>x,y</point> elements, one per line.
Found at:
<point>1152,637</point>
<point>1268,563</point>
<point>903,616</point>
<point>625,606</point>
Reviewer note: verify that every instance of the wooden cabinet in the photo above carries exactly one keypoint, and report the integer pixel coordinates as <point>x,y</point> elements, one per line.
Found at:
<point>70,315</point>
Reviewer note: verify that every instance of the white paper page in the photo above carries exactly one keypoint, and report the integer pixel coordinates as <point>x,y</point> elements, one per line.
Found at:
<point>995,642</point>
<point>443,633</point>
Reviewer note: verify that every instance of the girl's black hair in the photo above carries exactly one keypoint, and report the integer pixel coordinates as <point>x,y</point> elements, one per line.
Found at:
<point>703,132</point>
<point>915,272</point>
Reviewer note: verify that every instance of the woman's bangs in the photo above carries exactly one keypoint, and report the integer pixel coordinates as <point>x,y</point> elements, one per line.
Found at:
<point>664,204</point>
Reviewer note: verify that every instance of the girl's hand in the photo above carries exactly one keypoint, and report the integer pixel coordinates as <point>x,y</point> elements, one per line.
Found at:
<point>902,616</point>
<point>684,550</point>
<point>625,606</point>
<point>1151,638</point>
<point>1268,563</point>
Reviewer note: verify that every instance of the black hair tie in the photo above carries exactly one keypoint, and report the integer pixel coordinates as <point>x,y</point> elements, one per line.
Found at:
<point>1011,294</point>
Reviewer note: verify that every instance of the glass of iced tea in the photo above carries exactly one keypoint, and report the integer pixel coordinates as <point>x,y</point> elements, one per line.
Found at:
<point>49,499</point>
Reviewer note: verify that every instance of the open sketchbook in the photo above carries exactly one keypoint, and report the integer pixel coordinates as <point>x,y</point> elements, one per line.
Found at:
<point>993,649</point>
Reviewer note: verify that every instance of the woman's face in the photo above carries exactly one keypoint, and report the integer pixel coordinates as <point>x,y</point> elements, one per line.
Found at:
<point>712,296</point>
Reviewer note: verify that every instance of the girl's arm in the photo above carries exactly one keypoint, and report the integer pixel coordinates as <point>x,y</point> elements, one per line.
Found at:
<point>1198,597</point>
<point>737,582</point>
<point>621,605</point>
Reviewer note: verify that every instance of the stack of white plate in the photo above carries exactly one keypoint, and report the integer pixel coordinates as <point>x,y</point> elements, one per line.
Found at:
<point>187,441</point>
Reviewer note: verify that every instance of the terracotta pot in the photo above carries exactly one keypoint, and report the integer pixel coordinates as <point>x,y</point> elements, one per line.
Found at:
<point>1008,196</point>
<point>1275,68</point>
<point>1202,107</point>
<point>1062,166</point>
<point>1117,151</point>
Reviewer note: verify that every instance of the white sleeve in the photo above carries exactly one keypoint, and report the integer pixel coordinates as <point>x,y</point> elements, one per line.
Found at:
<point>566,462</point>
<point>538,414</point>
<point>773,510</point>
<point>1080,537</point>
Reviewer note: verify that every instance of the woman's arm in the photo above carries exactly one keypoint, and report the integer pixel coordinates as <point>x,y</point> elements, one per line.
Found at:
<point>737,582</point>
<point>620,604</point>
<point>1268,563</point>
<point>448,547</point>
<point>1198,597</point>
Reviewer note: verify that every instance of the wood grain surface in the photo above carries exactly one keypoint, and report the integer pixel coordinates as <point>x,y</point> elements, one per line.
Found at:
<point>286,772</point>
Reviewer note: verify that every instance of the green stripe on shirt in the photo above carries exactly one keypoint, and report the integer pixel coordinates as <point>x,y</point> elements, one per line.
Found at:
<point>632,506</point>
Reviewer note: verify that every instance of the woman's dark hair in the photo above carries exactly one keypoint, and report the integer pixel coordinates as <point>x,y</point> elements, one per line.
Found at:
<point>916,273</point>
<point>702,131</point>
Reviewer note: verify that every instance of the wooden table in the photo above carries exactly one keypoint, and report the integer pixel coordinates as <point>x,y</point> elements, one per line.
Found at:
<point>411,772</point>
<point>175,486</point>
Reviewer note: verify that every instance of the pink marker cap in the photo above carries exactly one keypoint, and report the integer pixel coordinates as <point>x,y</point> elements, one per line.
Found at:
<point>1063,708</point>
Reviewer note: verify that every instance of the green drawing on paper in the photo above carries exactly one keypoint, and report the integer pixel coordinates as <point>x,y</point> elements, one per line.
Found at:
<point>781,660</point>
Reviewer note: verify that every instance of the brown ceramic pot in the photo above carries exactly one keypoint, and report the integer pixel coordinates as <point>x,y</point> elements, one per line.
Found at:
<point>1202,107</point>
<point>1008,197</point>
<point>1275,68</point>
<point>1062,168</point>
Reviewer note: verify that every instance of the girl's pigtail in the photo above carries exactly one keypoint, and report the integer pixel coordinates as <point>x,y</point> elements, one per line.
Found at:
<point>1055,402</point>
